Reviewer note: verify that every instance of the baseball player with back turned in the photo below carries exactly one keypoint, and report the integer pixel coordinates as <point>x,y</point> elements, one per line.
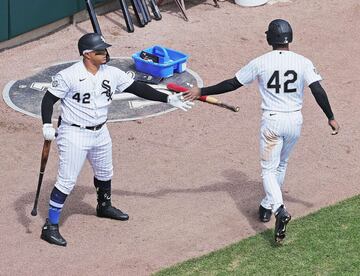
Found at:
<point>281,75</point>
<point>86,90</point>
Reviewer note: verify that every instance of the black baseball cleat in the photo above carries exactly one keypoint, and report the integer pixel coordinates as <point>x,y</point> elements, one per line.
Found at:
<point>282,219</point>
<point>264,214</point>
<point>110,212</point>
<point>50,233</point>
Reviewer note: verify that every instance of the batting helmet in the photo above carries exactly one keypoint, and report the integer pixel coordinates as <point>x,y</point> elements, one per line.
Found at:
<point>279,32</point>
<point>93,42</point>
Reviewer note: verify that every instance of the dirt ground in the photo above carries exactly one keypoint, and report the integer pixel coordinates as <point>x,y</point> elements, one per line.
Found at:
<point>190,181</point>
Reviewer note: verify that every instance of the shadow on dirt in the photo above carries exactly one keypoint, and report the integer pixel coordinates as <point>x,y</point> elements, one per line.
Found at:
<point>73,205</point>
<point>245,193</point>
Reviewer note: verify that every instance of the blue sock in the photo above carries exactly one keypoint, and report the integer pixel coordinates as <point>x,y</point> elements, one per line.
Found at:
<point>56,204</point>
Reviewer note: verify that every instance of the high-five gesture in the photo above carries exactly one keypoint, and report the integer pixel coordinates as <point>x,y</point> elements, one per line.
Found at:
<point>177,100</point>
<point>192,94</point>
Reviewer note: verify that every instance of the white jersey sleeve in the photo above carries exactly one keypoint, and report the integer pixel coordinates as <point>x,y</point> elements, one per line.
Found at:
<point>310,73</point>
<point>247,74</point>
<point>123,80</point>
<point>58,87</point>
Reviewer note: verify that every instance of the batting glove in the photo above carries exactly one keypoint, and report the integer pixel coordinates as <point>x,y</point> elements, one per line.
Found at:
<point>177,100</point>
<point>48,132</point>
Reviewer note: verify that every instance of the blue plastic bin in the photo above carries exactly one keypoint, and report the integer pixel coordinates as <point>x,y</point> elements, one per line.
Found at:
<point>170,62</point>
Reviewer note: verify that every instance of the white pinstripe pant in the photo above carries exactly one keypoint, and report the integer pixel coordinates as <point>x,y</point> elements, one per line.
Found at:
<point>75,145</point>
<point>278,135</point>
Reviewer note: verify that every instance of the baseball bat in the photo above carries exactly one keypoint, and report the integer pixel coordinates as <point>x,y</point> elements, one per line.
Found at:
<point>127,17</point>
<point>181,9</point>
<point>44,158</point>
<point>155,10</point>
<point>209,99</point>
<point>146,10</point>
<point>139,16</point>
<point>93,19</point>
<point>176,88</point>
<point>215,101</point>
<point>142,11</point>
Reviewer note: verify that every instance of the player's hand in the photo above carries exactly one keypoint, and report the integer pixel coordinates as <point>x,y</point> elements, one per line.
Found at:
<point>334,126</point>
<point>177,100</point>
<point>48,132</point>
<point>192,94</point>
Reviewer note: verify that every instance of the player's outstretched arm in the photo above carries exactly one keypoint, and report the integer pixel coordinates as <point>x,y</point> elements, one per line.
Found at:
<point>220,88</point>
<point>145,91</point>
<point>322,100</point>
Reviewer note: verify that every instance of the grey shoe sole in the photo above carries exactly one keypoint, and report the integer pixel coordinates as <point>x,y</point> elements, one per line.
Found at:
<point>115,218</point>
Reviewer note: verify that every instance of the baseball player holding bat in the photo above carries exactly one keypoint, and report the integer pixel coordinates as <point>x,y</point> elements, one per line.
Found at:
<point>85,90</point>
<point>281,75</point>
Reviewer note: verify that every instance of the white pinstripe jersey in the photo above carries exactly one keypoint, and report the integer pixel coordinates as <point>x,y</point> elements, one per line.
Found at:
<point>281,78</point>
<point>85,97</point>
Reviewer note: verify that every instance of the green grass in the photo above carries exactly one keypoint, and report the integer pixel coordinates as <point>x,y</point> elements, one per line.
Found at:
<point>323,243</point>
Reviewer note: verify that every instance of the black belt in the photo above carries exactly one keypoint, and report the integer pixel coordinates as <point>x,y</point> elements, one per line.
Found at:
<point>90,127</point>
<point>87,127</point>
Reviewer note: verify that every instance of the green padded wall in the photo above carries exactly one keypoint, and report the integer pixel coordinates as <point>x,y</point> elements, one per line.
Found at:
<point>4,20</point>
<point>81,4</point>
<point>20,16</point>
<point>26,15</point>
